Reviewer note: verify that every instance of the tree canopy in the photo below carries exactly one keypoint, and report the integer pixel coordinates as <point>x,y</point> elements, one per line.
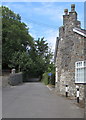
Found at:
<point>19,49</point>
<point>15,36</point>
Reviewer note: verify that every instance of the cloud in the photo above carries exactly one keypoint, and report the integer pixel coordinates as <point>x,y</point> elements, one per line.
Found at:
<point>51,35</point>
<point>32,31</point>
<point>43,1</point>
<point>49,13</point>
<point>49,9</point>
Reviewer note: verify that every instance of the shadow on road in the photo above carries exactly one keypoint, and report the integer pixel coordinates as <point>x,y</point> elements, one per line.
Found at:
<point>33,80</point>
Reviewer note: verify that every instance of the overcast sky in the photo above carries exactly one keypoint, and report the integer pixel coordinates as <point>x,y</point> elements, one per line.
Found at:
<point>45,18</point>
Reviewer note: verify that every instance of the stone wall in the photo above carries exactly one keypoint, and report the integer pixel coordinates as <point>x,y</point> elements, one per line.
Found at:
<point>5,81</point>
<point>70,50</point>
<point>85,102</point>
<point>69,53</point>
<point>66,79</point>
<point>15,79</point>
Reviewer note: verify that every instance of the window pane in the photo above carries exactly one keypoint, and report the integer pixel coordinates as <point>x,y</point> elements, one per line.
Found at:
<point>80,72</point>
<point>84,63</point>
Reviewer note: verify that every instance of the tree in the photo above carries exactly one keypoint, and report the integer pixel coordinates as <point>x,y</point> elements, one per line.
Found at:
<point>41,46</point>
<point>19,49</point>
<point>21,61</point>
<point>15,35</point>
<point>42,56</point>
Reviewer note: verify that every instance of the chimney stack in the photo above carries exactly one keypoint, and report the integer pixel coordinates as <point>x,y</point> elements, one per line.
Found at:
<point>65,17</point>
<point>66,11</point>
<point>73,8</point>
<point>70,18</point>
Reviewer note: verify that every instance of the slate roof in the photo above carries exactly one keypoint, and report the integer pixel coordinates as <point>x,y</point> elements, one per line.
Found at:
<point>82,32</point>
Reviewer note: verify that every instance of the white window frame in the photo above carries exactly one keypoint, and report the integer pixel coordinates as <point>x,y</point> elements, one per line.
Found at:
<point>56,75</point>
<point>80,72</point>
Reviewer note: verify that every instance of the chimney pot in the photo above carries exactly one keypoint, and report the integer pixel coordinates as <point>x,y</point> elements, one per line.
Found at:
<point>66,11</point>
<point>72,7</point>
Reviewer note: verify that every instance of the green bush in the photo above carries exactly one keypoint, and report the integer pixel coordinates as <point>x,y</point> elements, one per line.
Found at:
<point>47,79</point>
<point>53,79</point>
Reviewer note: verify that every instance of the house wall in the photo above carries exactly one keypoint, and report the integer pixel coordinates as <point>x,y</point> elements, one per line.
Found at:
<point>70,50</point>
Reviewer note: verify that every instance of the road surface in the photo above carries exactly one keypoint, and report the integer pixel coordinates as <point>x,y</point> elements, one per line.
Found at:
<point>35,100</point>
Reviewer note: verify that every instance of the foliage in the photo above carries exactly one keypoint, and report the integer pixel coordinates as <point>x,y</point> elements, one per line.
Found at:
<point>43,53</point>
<point>41,56</point>
<point>20,50</point>
<point>45,78</point>
<point>15,36</point>
<point>49,79</point>
<point>41,46</point>
<point>21,61</point>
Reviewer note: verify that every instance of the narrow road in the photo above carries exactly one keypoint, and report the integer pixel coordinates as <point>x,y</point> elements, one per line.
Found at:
<point>35,100</point>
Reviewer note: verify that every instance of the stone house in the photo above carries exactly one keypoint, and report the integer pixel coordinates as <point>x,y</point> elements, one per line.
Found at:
<point>69,49</point>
